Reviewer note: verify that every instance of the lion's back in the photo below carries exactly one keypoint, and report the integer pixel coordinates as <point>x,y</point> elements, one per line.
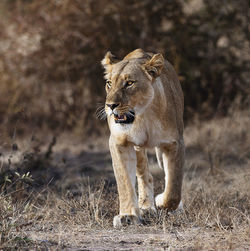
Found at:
<point>173,93</point>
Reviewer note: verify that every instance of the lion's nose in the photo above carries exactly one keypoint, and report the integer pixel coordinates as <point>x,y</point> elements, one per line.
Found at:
<point>113,106</point>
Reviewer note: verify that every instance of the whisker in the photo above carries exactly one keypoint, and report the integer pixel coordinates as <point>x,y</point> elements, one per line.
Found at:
<point>100,112</point>
<point>100,108</point>
<point>102,116</point>
<point>131,113</point>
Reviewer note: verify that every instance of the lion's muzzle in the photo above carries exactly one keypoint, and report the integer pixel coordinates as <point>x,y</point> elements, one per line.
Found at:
<point>121,117</point>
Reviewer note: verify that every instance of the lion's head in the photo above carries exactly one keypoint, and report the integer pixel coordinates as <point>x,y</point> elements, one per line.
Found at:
<point>129,83</point>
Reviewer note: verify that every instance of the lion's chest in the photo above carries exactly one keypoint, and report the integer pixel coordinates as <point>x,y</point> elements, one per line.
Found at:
<point>143,135</point>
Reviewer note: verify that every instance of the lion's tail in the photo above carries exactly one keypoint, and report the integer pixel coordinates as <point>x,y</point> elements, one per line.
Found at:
<point>159,157</point>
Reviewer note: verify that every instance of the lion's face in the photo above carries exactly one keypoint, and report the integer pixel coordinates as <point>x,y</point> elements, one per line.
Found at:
<point>129,91</point>
<point>129,88</point>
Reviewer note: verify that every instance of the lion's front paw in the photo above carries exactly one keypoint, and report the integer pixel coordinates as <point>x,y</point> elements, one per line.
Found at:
<point>125,220</point>
<point>151,212</point>
<point>148,214</point>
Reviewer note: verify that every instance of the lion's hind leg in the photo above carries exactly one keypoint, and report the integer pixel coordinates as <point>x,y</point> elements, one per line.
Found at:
<point>159,157</point>
<point>173,160</point>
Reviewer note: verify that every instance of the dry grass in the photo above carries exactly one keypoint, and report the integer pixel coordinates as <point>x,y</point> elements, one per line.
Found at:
<point>75,209</point>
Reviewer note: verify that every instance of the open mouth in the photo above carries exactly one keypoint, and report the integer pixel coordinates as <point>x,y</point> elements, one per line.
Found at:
<point>126,118</point>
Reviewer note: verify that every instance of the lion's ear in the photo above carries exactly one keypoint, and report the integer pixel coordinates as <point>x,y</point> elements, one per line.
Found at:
<point>108,60</point>
<point>154,65</point>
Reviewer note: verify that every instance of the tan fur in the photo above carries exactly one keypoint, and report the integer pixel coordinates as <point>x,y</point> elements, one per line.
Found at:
<point>157,100</point>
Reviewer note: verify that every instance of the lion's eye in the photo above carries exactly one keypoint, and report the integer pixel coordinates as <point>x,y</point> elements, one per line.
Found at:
<point>130,83</point>
<point>108,82</point>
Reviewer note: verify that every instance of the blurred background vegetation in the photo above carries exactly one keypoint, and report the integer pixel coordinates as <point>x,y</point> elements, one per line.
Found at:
<point>50,53</point>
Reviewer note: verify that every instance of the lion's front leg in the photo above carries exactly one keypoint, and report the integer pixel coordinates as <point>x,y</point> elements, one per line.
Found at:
<point>145,183</point>
<point>124,164</point>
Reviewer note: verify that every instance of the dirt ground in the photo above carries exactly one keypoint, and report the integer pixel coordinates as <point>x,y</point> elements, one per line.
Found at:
<point>71,198</point>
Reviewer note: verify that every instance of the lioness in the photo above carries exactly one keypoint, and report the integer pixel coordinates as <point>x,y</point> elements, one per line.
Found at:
<point>144,108</point>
